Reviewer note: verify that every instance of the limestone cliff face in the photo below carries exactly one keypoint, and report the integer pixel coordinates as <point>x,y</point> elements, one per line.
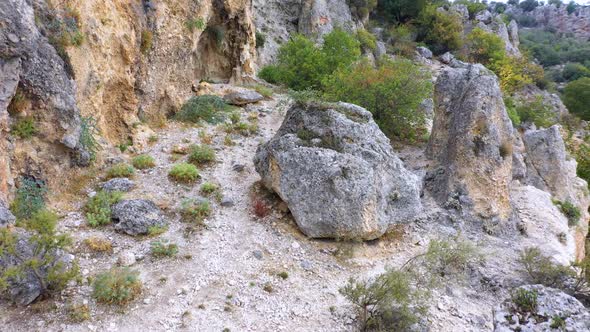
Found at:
<point>549,16</point>
<point>137,62</point>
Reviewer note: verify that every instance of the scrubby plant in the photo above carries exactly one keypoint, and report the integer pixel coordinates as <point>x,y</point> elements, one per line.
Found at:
<point>445,257</point>
<point>217,33</point>
<point>485,47</point>
<point>44,263</point>
<point>583,159</point>
<point>366,39</point>
<point>525,300</point>
<point>442,32</point>
<point>117,286</point>
<point>260,208</point>
<point>18,103</point>
<point>537,112</point>
<point>402,40</point>
<point>541,269</point>
<point>88,133</point>
<point>576,97</point>
<point>163,248</point>
<point>156,230</point>
<point>571,212</point>
<point>473,6</point>
<point>143,161</point>
<point>266,92</point>
<point>98,244</point>
<point>208,108</point>
<point>147,39</point>
<point>558,322</point>
<point>574,71</point>
<point>201,154</point>
<point>195,24</point>
<point>24,128</point>
<point>184,172</point>
<point>79,313</point>
<point>30,198</point>
<point>195,211</point>
<point>392,92</point>
<point>283,275</point>
<point>120,170</point>
<point>260,39</point>
<point>98,208</point>
<point>209,188</point>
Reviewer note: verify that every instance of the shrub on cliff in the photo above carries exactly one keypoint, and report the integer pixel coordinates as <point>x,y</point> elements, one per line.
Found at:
<point>485,47</point>
<point>441,31</point>
<point>208,108</point>
<point>392,92</point>
<point>577,97</point>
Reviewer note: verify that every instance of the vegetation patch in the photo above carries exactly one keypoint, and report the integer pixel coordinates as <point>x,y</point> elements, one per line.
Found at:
<point>184,172</point>
<point>208,108</point>
<point>117,286</point>
<point>30,198</point>
<point>120,170</point>
<point>98,208</point>
<point>163,248</point>
<point>88,133</point>
<point>201,154</point>
<point>571,212</point>
<point>195,211</point>
<point>143,161</point>
<point>24,128</point>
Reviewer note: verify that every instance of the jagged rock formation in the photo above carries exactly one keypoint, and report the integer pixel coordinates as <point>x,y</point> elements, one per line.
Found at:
<point>28,62</point>
<point>338,173</point>
<point>551,304</point>
<point>471,143</point>
<point>558,19</point>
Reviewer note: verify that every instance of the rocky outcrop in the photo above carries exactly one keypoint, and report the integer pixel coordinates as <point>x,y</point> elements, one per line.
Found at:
<point>6,217</point>
<point>242,98</point>
<point>558,19</point>
<point>551,305</point>
<point>118,184</point>
<point>29,62</point>
<point>508,34</point>
<point>319,17</point>
<point>471,143</point>
<point>338,173</point>
<point>137,216</point>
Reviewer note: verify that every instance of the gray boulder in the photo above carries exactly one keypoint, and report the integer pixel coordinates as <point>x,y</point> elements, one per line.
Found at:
<point>136,216</point>
<point>29,284</point>
<point>244,97</point>
<point>484,16</point>
<point>447,58</point>
<point>424,52</point>
<point>551,303</point>
<point>337,173</point>
<point>6,217</point>
<point>118,184</point>
<point>471,143</point>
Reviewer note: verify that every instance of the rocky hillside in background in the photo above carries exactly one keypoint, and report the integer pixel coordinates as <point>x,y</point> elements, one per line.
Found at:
<point>150,177</point>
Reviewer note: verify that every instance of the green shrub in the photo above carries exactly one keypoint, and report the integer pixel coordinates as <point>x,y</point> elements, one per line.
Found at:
<point>143,161</point>
<point>400,11</point>
<point>260,39</point>
<point>195,24</point>
<point>576,97</point>
<point>558,322</point>
<point>120,170</point>
<point>156,230</point>
<point>525,300</point>
<point>441,31</point>
<point>571,211</point>
<point>264,91</point>
<point>184,172</point>
<point>30,198</point>
<point>211,109</point>
<point>366,39</point>
<point>449,257</point>
<point>512,112</point>
<point>209,188</point>
<point>147,39</point>
<point>217,33</point>
<point>163,248</point>
<point>271,74</point>
<point>583,159</point>
<point>575,71</point>
<point>537,112</point>
<point>473,6</point>
<point>541,270</point>
<point>485,47</point>
<point>195,210</point>
<point>24,128</point>
<point>98,208</point>
<point>117,286</point>
<point>201,154</point>
<point>402,39</point>
<point>88,131</point>
<point>392,92</point>
<point>43,263</point>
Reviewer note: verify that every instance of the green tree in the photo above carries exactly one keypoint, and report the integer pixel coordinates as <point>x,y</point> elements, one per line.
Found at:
<point>485,47</point>
<point>577,97</point>
<point>340,49</point>
<point>574,71</point>
<point>402,10</point>
<point>441,31</point>
<point>392,92</point>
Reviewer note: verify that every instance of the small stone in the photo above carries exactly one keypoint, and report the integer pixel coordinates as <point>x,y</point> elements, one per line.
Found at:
<point>147,301</point>
<point>126,259</point>
<point>257,254</point>
<point>306,265</point>
<point>227,202</point>
<point>238,167</point>
<point>243,97</point>
<point>295,245</point>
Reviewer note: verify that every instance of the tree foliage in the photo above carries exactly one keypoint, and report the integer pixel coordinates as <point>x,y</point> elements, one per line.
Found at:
<point>441,31</point>
<point>576,97</point>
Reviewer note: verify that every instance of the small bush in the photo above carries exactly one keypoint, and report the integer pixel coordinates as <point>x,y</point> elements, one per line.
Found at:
<point>450,257</point>
<point>117,286</point>
<point>558,322</point>
<point>260,208</point>
<point>24,128</point>
<point>541,270</point>
<point>260,39</point>
<point>43,263</point>
<point>156,230</point>
<point>576,97</point>
<point>147,39</point>
<point>88,133</point>
<point>512,112</point>
<point>211,109</point>
<point>209,188</point>
<point>525,300</point>
<point>120,170</point>
<point>201,154</point>
<point>195,24</point>
<point>163,248</point>
<point>195,211</point>
<point>143,161</point>
<point>283,275</point>
<point>30,198</point>
<point>441,31</point>
<point>79,313</point>
<point>485,47</point>
<point>366,39</point>
<point>571,211</point>
<point>537,112</point>
<point>184,172</point>
<point>98,208</point>
<point>98,244</point>
<point>264,91</point>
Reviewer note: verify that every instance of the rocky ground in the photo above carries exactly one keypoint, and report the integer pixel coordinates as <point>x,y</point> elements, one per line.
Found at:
<point>226,274</point>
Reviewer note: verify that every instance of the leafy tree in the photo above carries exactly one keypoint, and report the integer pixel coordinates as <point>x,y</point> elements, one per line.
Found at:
<point>529,5</point>
<point>392,92</point>
<point>571,7</point>
<point>402,10</point>
<point>574,71</point>
<point>577,97</point>
<point>441,31</point>
<point>340,49</point>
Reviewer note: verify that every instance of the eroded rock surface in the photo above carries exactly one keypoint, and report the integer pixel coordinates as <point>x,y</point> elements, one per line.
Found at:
<point>137,216</point>
<point>471,143</point>
<point>338,173</point>
<point>118,184</point>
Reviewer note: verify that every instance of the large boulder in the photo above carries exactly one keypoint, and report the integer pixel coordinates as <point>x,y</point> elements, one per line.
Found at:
<point>29,284</point>
<point>338,173</point>
<point>137,216</point>
<point>551,304</point>
<point>118,184</point>
<point>471,143</point>
<point>244,97</point>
